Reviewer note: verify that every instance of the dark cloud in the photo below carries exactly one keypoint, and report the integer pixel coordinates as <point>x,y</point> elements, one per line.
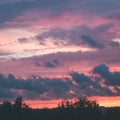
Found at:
<point>49,65</point>
<point>13,1</point>
<point>114,44</point>
<point>36,87</point>
<point>91,42</point>
<point>57,88</point>
<point>12,82</point>
<point>67,37</point>
<point>110,78</point>
<point>114,16</point>
<point>11,9</point>
<point>37,64</point>
<point>97,37</point>
<point>53,64</point>
<point>6,93</point>
<point>56,62</point>
<point>88,86</point>
<point>110,56</point>
<point>56,33</point>
<point>79,78</point>
<point>102,70</point>
<point>22,40</point>
<point>95,6</point>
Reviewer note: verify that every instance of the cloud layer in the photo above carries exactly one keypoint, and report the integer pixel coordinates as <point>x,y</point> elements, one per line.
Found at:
<point>77,84</point>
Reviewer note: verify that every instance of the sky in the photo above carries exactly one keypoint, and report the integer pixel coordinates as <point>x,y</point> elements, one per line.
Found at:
<point>59,49</point>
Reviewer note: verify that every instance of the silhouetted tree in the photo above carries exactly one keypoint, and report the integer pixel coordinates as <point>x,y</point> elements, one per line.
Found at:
<point>85,103</point>
<point>65,104</point>
<point>18,103</point>
<point>79,103</point>
<point>6,105</point>
<point>80,109</point>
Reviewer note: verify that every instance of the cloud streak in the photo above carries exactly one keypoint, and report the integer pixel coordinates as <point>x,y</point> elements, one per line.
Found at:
<point>70,37</point>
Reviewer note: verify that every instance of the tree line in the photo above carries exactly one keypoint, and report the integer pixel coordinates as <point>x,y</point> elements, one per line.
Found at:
<point>80,109</point>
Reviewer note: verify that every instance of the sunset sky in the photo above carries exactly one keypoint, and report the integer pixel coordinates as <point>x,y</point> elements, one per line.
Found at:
<point>60,49</point>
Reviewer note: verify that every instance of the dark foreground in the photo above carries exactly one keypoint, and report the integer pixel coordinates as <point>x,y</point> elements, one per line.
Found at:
<point>81,109</point>
<point>61,114</point>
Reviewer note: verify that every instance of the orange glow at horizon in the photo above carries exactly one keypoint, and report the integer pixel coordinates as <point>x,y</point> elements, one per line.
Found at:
<point>107,101</point>
<point>102,101</point>
<point>43,103</point>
